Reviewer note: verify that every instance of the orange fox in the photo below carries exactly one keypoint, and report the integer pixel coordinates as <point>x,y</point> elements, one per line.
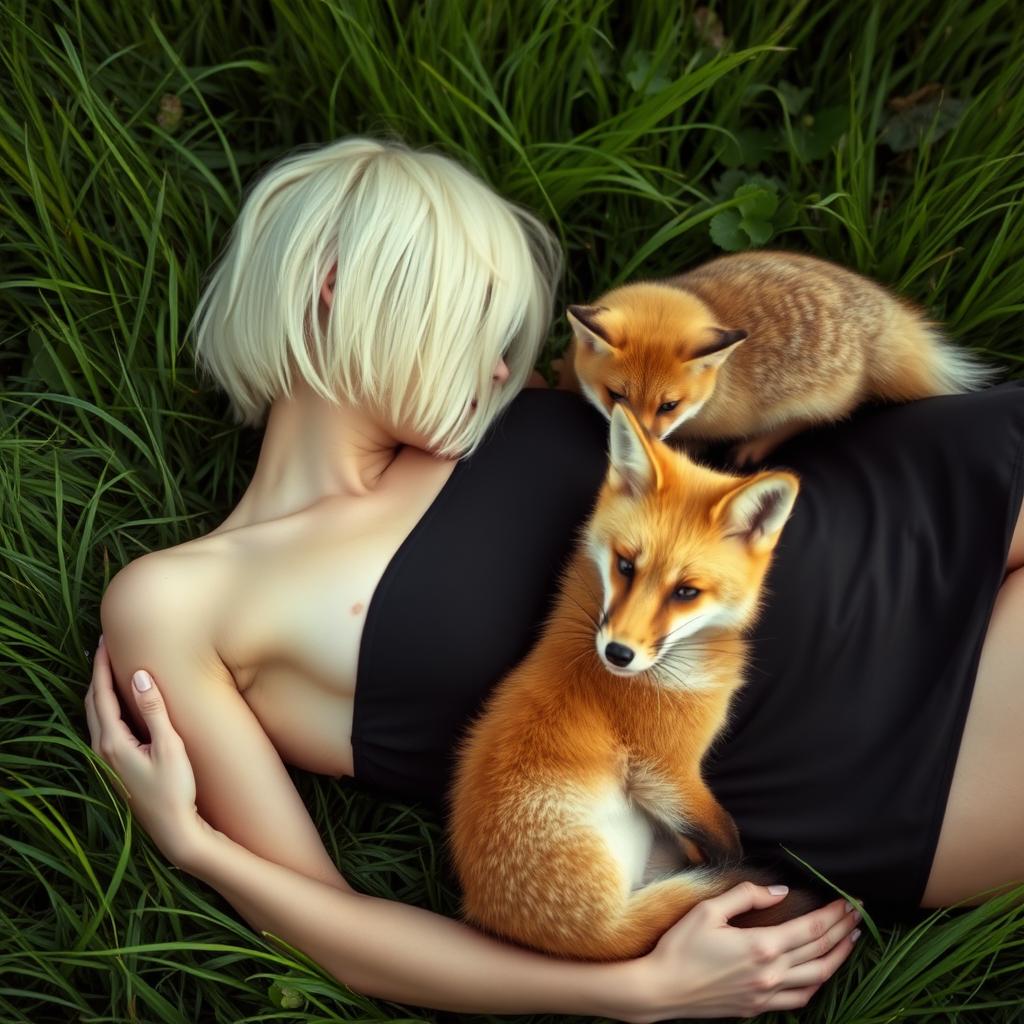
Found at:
<point>757,346</point>
<point>578,805</point>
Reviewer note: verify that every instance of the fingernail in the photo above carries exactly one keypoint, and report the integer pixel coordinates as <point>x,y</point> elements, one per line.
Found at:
<point>855,935</point>
<point>849,906</point>
<point>100,644</point>
<point>778,890</point>
<point>141,680</point>
<point>856,916</point>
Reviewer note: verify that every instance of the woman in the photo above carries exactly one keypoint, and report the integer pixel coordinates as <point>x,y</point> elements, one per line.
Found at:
<point>385,306</point>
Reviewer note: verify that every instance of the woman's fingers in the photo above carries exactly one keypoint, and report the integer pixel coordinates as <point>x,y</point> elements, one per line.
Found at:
<point>92,721</point>
<point>800,931</point>
<point>822,945</point>
<point>113,728</point>
<point>741,898</point>
<point>150,702</point>
<point>790,998</point>
<point>815,972</point>
<point>798,984</point>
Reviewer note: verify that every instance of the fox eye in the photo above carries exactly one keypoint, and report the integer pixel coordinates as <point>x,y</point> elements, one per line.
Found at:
<point>615,396</point>
<point>625,567</point>
<point>685,593</point>
<point>667,407</point>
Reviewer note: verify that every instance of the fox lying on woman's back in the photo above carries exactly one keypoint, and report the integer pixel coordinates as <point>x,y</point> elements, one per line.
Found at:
<point>757,346</point>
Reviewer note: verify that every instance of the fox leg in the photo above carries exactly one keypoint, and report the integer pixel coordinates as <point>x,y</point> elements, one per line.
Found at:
<point>709,827</point>
<point>669,856</point>
<point>756,449</point>
<point>702,829</point>
<point>691,851</point>
<point>793,417</point>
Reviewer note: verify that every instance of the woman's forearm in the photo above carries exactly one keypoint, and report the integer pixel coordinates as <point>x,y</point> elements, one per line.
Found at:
<point>405,954</point>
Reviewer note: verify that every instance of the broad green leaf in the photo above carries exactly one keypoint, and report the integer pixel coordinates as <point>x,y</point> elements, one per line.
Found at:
<point>726,232</point>
<point>926,121</point>
<point>759,231</point>
<point>756,201</point>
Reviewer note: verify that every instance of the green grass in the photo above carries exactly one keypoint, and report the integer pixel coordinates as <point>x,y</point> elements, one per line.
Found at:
<point>640,137</point>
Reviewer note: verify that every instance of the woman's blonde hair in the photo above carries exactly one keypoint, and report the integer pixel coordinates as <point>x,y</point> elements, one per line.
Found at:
<point>437,278</point>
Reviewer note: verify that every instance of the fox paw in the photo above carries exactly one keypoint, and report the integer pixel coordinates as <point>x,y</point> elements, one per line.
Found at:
<point>749,453</point>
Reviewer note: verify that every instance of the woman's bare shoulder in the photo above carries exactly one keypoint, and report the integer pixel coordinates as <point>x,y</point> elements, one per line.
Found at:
<point>174,587</point>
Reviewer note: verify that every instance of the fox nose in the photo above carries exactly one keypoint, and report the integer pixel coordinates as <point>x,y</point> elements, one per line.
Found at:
<point>618,654</point>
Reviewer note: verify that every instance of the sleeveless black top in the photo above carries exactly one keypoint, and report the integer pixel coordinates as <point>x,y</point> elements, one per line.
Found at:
<point>842,744</point>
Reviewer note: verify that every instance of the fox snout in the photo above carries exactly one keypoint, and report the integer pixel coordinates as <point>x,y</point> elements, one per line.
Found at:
<point>659,419</point>
<point>650,423</point>
<point>623,659</point>
<point>619,654</point>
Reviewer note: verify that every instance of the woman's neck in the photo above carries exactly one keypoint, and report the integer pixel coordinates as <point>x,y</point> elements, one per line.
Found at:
<point>312,449</point>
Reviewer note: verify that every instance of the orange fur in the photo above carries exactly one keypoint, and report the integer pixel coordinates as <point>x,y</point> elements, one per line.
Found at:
<point>580,783</point>
<point>805,341</point>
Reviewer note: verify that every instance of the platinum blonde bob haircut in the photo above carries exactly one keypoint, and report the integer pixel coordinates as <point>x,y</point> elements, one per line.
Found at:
<point>438,277</point>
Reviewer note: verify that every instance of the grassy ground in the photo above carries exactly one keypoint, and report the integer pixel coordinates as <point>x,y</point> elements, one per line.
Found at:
<point>649,135</point>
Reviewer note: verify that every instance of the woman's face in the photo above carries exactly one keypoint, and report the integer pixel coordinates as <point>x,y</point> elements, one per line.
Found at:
<point>501,371</point>
<point>498,377</point>
<point>406,435</point>
<point>500,374</point>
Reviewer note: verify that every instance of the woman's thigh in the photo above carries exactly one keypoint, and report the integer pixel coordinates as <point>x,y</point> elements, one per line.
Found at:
<point>980,842</point>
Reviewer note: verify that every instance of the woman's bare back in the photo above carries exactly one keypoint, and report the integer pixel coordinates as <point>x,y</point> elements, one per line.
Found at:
<point>282,603</point>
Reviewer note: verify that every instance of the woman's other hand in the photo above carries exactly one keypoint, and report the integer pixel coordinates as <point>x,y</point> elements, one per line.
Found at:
<point>705,967</point>
<point>155,778</point>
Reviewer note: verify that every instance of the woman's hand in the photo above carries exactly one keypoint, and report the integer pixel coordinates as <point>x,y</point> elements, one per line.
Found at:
<point>155,778</point>
<point>704,967</point>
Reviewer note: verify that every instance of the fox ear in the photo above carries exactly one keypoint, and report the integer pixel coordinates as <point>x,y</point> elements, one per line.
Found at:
<point>634,466</point>
<point>723,345</point>
<point>758,509</point>
<point>587,330</point>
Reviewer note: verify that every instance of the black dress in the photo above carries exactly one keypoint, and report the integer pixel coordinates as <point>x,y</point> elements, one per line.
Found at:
<point>842,743</point>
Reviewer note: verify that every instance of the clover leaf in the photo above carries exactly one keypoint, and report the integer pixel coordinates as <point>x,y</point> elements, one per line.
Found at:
<point>757,201</point>
<point>285,998</point>
<point>762,209</point>
<point>726,231</point>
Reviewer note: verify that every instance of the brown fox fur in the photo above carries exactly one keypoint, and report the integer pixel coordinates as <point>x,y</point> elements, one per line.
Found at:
<point>578,805</point>
<point>757,346</point>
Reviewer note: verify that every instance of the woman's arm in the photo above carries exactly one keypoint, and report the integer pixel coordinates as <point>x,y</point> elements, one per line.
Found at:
<point>700,967</point>
<point>154,617</point>
<point>398,952</point>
